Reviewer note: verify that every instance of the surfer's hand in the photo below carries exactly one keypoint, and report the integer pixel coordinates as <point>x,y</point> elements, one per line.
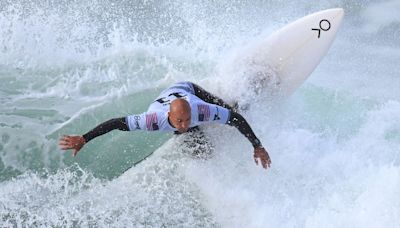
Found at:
<point>75,143</point>
<point>262,154</point>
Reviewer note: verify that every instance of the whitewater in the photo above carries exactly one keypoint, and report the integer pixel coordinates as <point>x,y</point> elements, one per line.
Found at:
<point>68,65</point>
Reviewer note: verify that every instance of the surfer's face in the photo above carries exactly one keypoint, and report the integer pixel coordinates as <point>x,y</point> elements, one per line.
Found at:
<point>181,120</point>
<point>180,115</point>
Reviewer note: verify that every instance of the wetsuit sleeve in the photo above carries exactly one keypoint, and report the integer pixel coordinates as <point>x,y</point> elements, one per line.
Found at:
<point>148,121</point>
<point>103,128</point>
<point>241,124</point>
<point>210,98</point>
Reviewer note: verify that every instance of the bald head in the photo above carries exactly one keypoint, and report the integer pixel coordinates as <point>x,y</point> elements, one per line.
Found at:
<point>179,106</point>
<point>180,114</point>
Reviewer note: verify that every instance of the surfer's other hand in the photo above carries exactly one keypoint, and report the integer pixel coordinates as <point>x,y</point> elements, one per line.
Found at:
<point>262,154</point>
<point>74,142</point>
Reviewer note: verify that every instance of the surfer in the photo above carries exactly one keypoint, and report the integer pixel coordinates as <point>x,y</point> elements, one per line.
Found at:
<point>181,108</point>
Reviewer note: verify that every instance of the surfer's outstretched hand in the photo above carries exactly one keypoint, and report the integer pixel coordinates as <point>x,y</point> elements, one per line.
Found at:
<point>74,142</point>
<point>262,154</point>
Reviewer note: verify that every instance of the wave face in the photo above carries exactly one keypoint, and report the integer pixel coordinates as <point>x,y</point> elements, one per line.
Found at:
<point>66,66</point>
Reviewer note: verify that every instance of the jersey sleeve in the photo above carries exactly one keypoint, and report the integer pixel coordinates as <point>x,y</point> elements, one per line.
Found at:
<point>211,113</point>
<point>147,121</point>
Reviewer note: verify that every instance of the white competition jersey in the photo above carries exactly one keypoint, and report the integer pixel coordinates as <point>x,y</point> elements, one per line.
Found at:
<point>156,117</point>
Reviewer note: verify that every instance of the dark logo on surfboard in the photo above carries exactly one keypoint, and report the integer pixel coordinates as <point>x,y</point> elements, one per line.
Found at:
<point>324,25</point>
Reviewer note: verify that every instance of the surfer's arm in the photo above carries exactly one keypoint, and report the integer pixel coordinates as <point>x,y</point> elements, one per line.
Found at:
<point>144,121</point>
<point>103,128</point>
<point>209,97</point>
<point>241,124</point>
<point>260,153</point>
<point>211,113</point>
<point>76,142</point>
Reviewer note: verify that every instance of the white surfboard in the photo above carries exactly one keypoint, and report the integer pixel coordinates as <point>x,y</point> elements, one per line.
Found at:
<point>294,51</point>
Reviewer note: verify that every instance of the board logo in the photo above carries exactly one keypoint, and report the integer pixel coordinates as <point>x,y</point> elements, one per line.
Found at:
<point>324,25</point>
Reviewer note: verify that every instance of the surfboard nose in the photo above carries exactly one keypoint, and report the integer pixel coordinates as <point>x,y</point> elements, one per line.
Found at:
<point>329,19</point>
<point>339,11</point>
<point>336,14</point>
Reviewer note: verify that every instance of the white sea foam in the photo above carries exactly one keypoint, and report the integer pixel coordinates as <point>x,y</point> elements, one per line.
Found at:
<point>335,144</point>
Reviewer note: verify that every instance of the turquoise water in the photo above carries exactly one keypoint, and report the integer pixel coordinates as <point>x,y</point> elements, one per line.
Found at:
<point>67,66</point>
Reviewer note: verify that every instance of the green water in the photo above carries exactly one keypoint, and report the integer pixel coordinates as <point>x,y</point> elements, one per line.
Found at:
<point>106,157</point>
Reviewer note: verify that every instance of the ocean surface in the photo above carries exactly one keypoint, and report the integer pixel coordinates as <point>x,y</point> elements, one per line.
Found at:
<point>68,65</point>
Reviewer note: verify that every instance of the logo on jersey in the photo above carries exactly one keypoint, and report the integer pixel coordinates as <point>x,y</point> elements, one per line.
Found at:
<point>151,122</point>
<point>204,112</point>
<point>137,119</point>
<point>216,116</point>
<point>167,101</point>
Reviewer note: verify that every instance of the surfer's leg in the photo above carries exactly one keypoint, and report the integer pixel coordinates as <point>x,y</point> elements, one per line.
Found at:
<point>196,143</point>
<point>211,98</point>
